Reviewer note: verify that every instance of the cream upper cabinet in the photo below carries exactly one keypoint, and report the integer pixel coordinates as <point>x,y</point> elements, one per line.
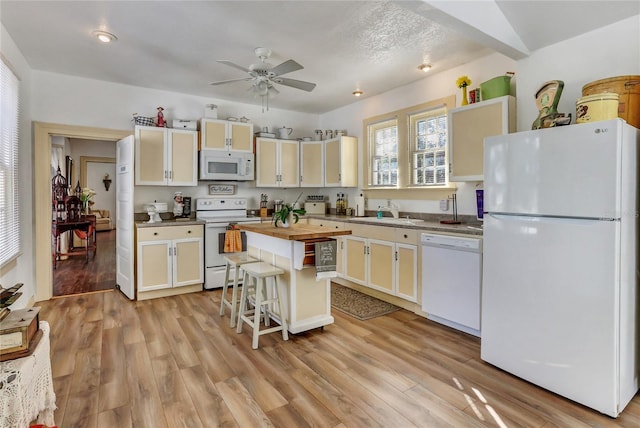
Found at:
<point>169,257</point>
<point>166,157</point>
<point>277,163</point>
<point>311,164</point>
<point>226,135</point>
<point>341,162</point>
<point>468,126</point>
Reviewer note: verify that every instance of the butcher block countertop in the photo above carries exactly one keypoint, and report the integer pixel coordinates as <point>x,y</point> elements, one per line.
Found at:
<point>296,232</point>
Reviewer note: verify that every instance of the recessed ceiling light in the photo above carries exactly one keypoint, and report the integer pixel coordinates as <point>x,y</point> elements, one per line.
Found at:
<point>357,93</point>
<point>424,67</point>
<point>105,37</point>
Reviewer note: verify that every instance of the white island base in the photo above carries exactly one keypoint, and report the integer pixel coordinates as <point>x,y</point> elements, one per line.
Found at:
<point>307,301</point>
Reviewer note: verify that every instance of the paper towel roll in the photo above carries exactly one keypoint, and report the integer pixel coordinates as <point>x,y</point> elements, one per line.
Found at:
<point>360,205</point>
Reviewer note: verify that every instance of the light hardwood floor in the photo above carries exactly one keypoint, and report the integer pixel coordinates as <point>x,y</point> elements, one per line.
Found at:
<point>174,362</point>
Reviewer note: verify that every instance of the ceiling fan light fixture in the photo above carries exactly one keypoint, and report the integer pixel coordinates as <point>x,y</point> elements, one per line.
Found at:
<point>424,67</point>
<point>357,93</point>
<point>104,37</point>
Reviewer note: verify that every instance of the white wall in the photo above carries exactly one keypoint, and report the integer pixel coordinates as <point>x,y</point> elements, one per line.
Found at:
<point>610,51</point>
<point>22,269</point>
<point>78,101</point>
<point>434,86</point>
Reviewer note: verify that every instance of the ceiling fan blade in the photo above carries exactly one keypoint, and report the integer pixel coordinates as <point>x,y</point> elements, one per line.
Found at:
<point>220,82</point>
<point>285,67</point>
<point>298,84</point>
<point>234,65</point>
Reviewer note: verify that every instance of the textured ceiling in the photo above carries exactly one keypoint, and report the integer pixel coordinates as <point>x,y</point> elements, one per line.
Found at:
<point>374,46</point>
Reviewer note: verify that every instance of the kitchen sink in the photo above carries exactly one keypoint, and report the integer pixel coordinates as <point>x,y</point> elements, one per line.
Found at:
<point>391,220</point>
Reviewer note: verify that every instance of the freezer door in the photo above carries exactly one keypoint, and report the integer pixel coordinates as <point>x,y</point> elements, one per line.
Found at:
<point>549,305</point>
<point>572,171</point>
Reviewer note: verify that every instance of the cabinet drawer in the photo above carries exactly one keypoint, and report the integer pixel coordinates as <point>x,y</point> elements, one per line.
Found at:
<point>407,236</point>
<point>327,223</point>
<point>374,232</point>
<point>170,232</point>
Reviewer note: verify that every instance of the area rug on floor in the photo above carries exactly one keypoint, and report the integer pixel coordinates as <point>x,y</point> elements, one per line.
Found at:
<point>358,304</point>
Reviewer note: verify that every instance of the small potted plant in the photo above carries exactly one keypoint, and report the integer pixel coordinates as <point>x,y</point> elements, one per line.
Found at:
<point>286,214</point>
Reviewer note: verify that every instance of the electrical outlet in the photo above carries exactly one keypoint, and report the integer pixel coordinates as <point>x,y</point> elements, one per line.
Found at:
<point>444,205</point>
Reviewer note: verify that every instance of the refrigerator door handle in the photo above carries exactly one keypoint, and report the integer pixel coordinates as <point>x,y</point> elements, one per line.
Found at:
<point>548,219</point>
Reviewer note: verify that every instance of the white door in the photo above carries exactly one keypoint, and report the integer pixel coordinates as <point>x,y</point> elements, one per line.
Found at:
<point>550,304</point>
<point>570,171</point>
<point>124,216</point>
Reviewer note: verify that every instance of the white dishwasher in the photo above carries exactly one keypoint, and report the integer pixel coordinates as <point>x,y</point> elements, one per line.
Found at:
<point>451,280</point>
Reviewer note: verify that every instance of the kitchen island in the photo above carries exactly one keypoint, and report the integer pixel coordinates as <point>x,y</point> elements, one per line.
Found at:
<point>307,298</point>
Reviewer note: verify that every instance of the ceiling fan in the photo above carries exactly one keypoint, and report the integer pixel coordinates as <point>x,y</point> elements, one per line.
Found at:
<point>264,75</point>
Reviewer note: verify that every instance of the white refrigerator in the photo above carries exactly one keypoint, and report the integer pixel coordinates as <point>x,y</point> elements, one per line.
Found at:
<point>560,266</point>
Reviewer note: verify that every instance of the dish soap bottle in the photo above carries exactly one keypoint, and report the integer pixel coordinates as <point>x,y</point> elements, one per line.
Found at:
<point>379,211</point>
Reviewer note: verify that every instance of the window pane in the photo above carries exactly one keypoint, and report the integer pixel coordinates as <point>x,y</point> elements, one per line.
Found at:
<point>10,236</point>
<point>430,147</point>
<point>384,147</point>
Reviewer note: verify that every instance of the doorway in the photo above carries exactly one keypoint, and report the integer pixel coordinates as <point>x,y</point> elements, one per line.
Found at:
<point>42,135</point>
<point>75,274</point>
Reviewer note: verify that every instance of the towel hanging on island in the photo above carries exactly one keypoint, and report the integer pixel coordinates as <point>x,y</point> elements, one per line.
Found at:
<point>325,252</point>
<point>232,240</point>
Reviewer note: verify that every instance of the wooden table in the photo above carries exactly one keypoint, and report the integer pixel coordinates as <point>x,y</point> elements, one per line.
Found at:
<point>86,224</point>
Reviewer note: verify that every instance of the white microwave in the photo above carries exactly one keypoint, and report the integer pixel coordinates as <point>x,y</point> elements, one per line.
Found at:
<point>223,165</point>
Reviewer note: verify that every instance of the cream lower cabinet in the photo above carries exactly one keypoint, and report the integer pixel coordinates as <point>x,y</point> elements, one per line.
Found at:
<point>166,157</point>
<point>277,163</point>
<point>391,267</point>
<point>169,257</point>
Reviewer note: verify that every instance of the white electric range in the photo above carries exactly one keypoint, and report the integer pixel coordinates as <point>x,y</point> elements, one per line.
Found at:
<point>218,213</point>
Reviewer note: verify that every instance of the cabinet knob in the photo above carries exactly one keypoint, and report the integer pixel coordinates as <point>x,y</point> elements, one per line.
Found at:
<point>155,233</point>
<point>188,231</point>
<point>405,235</point>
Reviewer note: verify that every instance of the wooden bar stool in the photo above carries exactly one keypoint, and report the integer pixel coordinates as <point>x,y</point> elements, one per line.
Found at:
<point>235,261</point>
<point>258,277</point>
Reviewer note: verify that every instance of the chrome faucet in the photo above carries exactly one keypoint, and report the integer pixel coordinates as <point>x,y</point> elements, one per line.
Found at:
<point>393,209</point>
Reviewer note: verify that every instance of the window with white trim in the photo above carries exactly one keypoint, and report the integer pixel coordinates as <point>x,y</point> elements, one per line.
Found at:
<point>383,137</point>
<point>428,142</point>
<point>10,245</point>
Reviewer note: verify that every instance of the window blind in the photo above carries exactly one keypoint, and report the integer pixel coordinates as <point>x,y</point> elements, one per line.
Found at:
<point>10,245</point>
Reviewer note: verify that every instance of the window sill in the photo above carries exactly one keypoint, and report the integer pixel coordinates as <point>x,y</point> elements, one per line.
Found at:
<point>422,193</point>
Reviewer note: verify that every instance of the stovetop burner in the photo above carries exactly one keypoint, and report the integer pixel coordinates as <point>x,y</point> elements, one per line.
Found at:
<point>223,210</point>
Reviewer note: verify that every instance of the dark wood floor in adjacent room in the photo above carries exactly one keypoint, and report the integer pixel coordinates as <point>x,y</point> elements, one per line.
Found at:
<point>174,362</point>
<point>74,275</point>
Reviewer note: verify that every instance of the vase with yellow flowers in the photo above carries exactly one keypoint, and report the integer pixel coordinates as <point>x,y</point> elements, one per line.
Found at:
<point>463,82</point>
